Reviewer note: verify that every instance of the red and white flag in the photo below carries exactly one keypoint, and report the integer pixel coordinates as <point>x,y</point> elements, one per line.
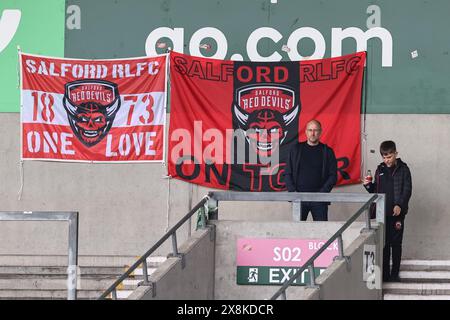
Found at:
<point>93,110</point>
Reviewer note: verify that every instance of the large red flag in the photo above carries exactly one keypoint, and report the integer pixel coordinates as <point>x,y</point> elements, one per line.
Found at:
<point>232,122</point>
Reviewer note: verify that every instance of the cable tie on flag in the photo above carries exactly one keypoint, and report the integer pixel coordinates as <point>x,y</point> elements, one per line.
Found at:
<point>364,135</point>
<point>190,199</point>
<point>168,202</point>
<point>21,180</point>
<point>18,67</point>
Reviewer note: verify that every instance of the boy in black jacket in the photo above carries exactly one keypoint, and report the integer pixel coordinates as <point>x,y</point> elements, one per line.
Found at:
<point>393,178</point>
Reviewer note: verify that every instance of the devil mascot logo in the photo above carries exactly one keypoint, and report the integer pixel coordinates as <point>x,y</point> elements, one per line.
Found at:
<point>266,115</point>
<point>91,107</point>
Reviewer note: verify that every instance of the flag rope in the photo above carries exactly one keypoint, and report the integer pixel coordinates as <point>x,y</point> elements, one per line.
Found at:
<point>364,116</point>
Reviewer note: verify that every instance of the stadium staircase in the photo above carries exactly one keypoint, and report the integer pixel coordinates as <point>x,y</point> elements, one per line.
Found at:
<point>420,280</point>
<point>46,279</point>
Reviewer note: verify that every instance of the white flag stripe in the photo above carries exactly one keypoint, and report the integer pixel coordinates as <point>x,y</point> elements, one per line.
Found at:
<point>54,112</point>
<point>135,110</point>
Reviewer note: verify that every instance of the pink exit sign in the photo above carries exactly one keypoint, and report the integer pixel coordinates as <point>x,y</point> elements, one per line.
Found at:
<point>283,252</point>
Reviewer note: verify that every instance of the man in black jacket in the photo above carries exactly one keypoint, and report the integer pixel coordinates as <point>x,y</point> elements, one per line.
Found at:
<point>393,178</point>
<point>311,167</point>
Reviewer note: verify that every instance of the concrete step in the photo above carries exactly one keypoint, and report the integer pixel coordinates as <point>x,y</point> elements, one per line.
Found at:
<point>397,288</point>
<point>48,273</point>
<point>47,294</point>
<point>139,272</point>
<point>53,284</point>
<point>121,294</point>
<point>43,270</point>
<point>415,297</point>
<point>35,280</point>
<point>425,265</point>
<point>425,276</point>
<point>83,261</point>
<point>56,276</point>
<point>133,281</point>
<point>61,261</point>
<point>126,288</point>
<point>152,262</point>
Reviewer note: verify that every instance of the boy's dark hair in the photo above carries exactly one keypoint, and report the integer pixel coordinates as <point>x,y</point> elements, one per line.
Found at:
<point>387,147</point>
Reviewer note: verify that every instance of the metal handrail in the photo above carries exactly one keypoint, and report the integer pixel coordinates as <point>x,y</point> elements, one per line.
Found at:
<point>288,196</point>
<point>72,218</point>
<point>310,262</point>
<point>143,259</point>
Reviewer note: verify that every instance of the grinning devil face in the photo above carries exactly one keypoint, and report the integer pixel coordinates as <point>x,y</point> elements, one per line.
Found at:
<point>91,108</point>
<point>265,128</point>
<point>90,122</point>
<point>265,132</point>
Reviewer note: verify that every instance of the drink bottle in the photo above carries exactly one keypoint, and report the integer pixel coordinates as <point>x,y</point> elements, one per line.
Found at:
<point>369,176</point>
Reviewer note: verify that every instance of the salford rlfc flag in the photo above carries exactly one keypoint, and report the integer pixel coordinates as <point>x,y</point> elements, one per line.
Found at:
<point>232,123</point>
<point>93,110</point>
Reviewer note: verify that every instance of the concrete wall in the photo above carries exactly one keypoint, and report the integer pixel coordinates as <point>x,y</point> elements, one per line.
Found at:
<point>194,281</point>
<point>210,264</point>
<point>344,280</point>
<point>123,207</point>
<point>227,233</point>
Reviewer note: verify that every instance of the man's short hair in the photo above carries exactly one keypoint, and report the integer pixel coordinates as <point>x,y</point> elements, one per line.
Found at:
<point>316,122</point>
<point>387,147</point>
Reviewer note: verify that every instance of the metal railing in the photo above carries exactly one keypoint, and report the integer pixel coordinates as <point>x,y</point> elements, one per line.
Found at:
<point>296,198</point>
<point>212,203</point>
<point>143,259</point>
<point>338,235</point>
<point>72,218</point>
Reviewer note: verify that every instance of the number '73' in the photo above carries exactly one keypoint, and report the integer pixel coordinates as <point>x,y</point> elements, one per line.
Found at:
<point>146,114</point>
